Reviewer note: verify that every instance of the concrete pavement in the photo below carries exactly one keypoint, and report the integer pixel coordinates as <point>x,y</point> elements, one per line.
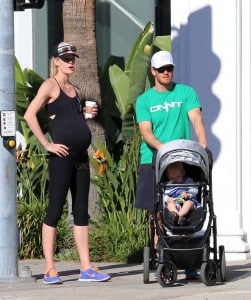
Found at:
<point>126,283</point>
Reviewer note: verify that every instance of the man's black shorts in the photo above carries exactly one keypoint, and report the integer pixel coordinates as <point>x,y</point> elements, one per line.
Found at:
<point>145,187</point>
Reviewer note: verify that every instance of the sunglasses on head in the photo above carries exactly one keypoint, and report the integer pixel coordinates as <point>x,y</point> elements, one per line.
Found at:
<point>65,49</point>
<point>165,68</point>
<point>68,58</point>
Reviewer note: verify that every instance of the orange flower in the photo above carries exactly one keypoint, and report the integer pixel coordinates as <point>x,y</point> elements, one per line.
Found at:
<point>20,158</point>
<point>100,158</point>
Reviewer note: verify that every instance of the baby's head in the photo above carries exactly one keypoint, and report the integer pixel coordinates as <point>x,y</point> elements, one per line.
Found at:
<point>175,172</point>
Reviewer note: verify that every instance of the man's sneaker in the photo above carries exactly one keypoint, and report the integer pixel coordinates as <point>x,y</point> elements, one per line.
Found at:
<point>192,277</point>
<point>52,277</point>
<point>93,274</point>
<point>191,274</point>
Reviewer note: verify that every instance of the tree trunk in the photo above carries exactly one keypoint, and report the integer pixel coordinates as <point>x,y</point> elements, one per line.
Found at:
<point>79,30</point>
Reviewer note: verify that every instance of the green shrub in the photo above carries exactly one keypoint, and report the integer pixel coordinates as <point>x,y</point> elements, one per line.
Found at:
<point>120,232</point>
<point>32,200</point>
<point>30,219</point>
<point>120,240</point>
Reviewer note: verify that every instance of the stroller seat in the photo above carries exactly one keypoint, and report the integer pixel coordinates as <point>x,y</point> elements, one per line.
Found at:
<point>195,222</point>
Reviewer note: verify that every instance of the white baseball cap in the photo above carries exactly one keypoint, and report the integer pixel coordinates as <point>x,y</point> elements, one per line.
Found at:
<point>161,58</point>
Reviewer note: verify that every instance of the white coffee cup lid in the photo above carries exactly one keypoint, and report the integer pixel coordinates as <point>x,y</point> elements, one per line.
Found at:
<point>90,103</point>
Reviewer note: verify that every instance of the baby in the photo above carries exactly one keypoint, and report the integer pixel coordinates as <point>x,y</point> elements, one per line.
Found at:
<point>179,200</point>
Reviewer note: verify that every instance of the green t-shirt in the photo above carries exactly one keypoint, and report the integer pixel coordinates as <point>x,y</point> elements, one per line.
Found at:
<point>168,113</point>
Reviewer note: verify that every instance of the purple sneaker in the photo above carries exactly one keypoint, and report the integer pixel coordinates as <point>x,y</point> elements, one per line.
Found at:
<point>52,277</point>
<point>93,274</point>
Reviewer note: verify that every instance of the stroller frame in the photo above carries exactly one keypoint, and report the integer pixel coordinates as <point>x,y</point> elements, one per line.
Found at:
<point>174,249</point>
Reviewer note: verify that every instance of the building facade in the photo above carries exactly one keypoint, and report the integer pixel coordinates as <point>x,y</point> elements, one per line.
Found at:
<point>212,52</point>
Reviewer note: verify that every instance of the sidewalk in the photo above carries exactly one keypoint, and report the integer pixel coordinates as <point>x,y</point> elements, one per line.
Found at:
<point>126,283</point>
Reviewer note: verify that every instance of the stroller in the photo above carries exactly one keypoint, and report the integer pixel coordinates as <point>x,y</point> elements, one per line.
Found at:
<point>195,244</point>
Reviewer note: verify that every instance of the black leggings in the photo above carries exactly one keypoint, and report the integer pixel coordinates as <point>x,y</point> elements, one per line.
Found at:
<point>66,173</point>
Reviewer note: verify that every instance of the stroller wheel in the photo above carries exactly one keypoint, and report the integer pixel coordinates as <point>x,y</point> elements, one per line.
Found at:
<point>208,272</point>
<point>222,264</point>
<point>146,265</point>
<point>166,273</point>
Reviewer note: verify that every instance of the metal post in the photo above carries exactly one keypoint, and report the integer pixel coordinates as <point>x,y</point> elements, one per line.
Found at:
<point>8,205</point>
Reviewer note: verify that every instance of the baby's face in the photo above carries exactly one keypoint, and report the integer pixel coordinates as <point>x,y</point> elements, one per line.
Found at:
<point>176,175</point>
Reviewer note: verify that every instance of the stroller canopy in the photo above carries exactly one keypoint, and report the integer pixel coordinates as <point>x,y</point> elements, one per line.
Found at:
<point>186,151</point>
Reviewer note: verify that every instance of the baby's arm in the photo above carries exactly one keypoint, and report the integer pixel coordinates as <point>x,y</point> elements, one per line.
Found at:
<point>191,191</point>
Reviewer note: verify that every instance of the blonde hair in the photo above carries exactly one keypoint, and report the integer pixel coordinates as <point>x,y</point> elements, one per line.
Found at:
<point>175,166</point>
<point>53,67</point>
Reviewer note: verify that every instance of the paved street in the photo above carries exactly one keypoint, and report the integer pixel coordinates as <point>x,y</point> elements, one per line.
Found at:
<point>126,283</point>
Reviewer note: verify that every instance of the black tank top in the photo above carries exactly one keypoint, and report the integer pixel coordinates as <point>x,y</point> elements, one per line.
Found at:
<point>67,124</point>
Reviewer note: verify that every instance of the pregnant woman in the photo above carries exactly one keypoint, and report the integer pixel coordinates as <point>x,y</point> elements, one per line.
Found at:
<point>68,159</point>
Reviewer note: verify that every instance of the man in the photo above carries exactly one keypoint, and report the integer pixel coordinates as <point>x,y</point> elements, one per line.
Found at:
<point>164,113</point>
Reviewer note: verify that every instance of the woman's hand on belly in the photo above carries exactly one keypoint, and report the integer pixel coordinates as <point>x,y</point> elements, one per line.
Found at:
<point>58,149</point>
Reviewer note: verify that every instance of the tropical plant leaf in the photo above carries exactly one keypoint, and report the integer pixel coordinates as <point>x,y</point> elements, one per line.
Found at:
<point>19,75</point>
<point>34,80</point>
<point>136,70</point>
<point>163,42</point>
<point>138,65</point>
<point>145,38</point>
<point>111,116</point>
<point>120,83</point>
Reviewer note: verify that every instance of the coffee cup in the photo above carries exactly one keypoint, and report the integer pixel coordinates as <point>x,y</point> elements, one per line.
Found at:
<point>88,109</point>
